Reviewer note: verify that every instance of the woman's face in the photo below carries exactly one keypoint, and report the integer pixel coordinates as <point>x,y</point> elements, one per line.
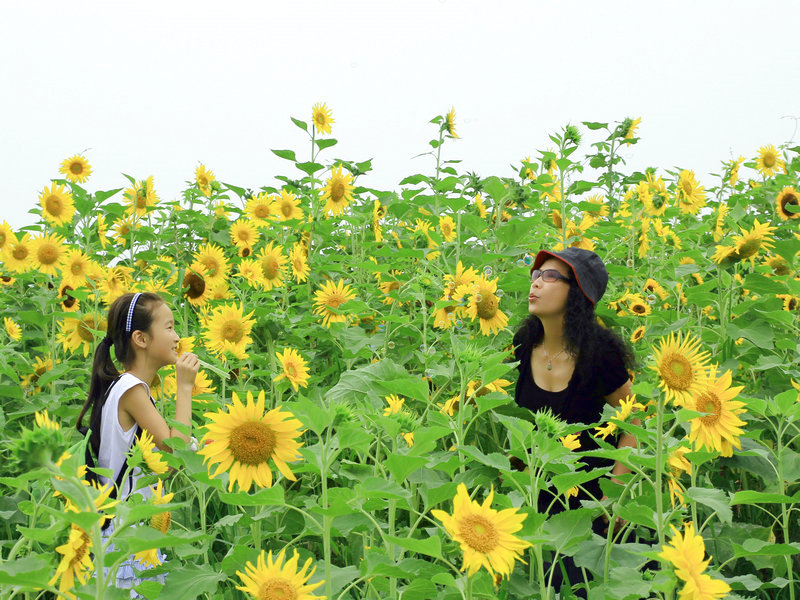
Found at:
<point>549,298</point>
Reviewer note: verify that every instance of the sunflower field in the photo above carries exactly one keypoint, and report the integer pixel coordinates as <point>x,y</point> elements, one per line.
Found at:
<point>357,432</point>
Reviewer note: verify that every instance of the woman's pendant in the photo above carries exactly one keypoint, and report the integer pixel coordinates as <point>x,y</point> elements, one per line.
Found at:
<point>549,366</point>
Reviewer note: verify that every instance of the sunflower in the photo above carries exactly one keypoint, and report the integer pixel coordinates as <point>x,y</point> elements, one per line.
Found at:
<point>77,332</point>
<point>682,368</point>
<point>480,205</point>
<point>571,441</point>
<point>378,213</point>
<point>122,230</point>
<point>76,169</point>
<point>778,264</point>
<point>328,300</point>
<point>12,329</point>
<point>722,212</point>
<point>387,287</point>
<point>686,553</point>
<point>18,254</point>
<point>6,235</point>
<point>228,330</point>
<point>321,118</point>
<point>196,287</point>
<point>629,127</point>
<point>203,177</point>
<point>102,231</point>
<point>485,305</point>
<point>75,267</point>
<point>250,270</point>
<point>733,173</point>
<point>299,263</point>
<point>288,206</point>
<point>395,405</point>
<point>750,242</point>
<point>76,562</point>
<point>338,192</point>
<point>790,301</point>
<point>294,368</point>
<point>115,282</point>
<point>450,122</point>
<point>7,279</point>
<point>159,522</point>
<point>448,228</point>
<point>486,535</point>
<point>274,580</point>
<point>48,253</point>
<point>244,236</point>
<point>638,306</point>
<point>141,197</point>
<point>213,259</point>
<point>637,334</point>
<point>463,276</point>
<point>769,161</point>
<point>242,438</point>
<point>656,200</point>
<point>477,388</point>
<point>261,209</point>
<point>272,263</point>
<point>719,430</point>
<point>43,421</point>
<point>690,194</point>
<point>150,456</point>
<point>57,205</point>
<point>41,365</point>
<point>445,316</point>
<point>624,411</point>
<point>787,197</point>
<point>723,252</point>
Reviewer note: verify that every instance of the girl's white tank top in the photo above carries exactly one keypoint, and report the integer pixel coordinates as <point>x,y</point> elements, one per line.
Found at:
<point>115,442</point>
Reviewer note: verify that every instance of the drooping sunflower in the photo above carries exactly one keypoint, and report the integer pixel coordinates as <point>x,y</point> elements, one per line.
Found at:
<point>321,117</point>
<point>338,192</point>
<point>150,456</point>
<point>196,288</point>
<point>751,242</point>
<point>159,522</point>
<point>244,236</point>
<point>274,580</point>
<point>77,332</point>
<point>242,438</point>
<point>719,223</point>
<point>787,197</point>
<point>622,414</point>
<point>328,300</point>
<point>13,329</point>
<point>228,330</point>
<point>690,194</point>
<point>294,368</point>
<point>485,305</point>
<point>450,122</point>
<point>212,257</point>
<point>141,197</point>
<point>272,263</point>
<point>778,264</point>
<point>719,430</point>
<point>629,127</point>
<point>76,267</point>
<point>76,562</point>
<point>683,369</point>
<point>448,228</point>
<point>261,209</point>
<point>571,441</point>
<point>48,253</point>
<point>204,177</point>
<point>18,253</point>
<point>769,161</point>
<point>58,207</point>
<point>486,535</point>
<point>102,231</point>
<point>686,553</point>
<point>637,334</point>
<point>298,259</point>
<point>288,206</point>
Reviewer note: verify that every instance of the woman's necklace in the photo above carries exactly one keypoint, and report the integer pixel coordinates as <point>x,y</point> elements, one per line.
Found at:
<point>547,356</point>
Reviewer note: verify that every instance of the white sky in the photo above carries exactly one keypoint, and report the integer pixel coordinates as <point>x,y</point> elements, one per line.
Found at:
<point>154,88</point>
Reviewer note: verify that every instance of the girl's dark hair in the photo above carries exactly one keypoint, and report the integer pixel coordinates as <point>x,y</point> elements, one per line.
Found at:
<point>584,338</point>
<point>104,371</point>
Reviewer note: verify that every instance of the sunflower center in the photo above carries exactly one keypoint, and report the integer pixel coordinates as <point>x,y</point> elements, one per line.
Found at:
<point>287,208</point>
<point>261,211</point>
<point>269,265</point>
<point>786,200</point>
<point>252,443</point>
<point>161,521</point>
<point>487,307</point>
<point>337,191</point>
<point>298,263</point>
<point>53,205</point>
<point>394,285</point>
<point>769,160</point>
<point>47,255</point>
<point>196,285</point>
<point>291,370</point>
<point>639,309</point>
<point>68,301</point>
<point>141,199</point>
<point>202,181</point>
<point>277,588</point>
<point>334,300</point>
<point>479,533</point>
<point>232,331</point>
<point>709,403</point>
<point>246,251</point>
<point>792,304</point>
<point>81,549</point>
<point>687,188</point>
<point>76,168</point>
<point>84,331</point>
<point>676,371</point>
<point>20,252</point>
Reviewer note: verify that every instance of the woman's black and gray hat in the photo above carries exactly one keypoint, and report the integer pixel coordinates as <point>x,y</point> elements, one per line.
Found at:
<point>589,270</point>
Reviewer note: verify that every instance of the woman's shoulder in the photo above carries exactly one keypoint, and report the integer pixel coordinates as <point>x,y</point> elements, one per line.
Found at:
<point>125,382</point>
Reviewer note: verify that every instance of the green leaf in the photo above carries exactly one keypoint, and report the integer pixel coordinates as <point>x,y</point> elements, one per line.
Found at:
<point>401,466</point>
<point>593,125</point>
<point>495,188</point>
<point>714,498</point>
<point>494,460</point>
<point>569,480</point>
<point>375,487</point>
<point>310,167</point>
<point>190,581</point>
<point>287,154</point>
<point>567,529</point>
<point>30,571</point>
<point>753,547</point>
<point>301,124</point>
<point>429,547</point>
<point>322,144</point>
<point>272,496</point>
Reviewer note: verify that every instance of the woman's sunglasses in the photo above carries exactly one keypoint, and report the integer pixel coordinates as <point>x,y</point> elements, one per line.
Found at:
<point>548,275</point>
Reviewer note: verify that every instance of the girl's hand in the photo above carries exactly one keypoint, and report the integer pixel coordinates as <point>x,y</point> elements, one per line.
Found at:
<point>186,370</point>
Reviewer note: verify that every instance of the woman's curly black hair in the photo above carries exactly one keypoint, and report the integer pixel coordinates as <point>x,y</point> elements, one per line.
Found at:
<point>584,338</point>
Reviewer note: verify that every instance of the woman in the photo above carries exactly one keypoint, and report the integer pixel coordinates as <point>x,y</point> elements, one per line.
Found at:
<point>569,363</point>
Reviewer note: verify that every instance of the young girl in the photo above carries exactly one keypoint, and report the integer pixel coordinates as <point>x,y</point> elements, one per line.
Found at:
<point>141,329</point>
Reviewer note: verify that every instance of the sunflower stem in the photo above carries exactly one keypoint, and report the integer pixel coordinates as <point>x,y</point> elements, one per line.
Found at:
<point>659,470</point>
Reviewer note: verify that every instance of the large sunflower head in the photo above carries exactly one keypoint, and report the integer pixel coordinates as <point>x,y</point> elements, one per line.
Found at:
<point>751,242</point>
<point>244,236</point>
<point>228,330</point>
<point>213,259</point>
<point>261,209</point>
<point>195,285</point>
<point>242,438</point>
<point>682,367</point>
<point>329,299</point>
<point>321,117</point>
<point>18,253</point>
<point>273,266</point>
<point>48,253</point>
<point>769,161</point>
<point>788,197</point>
<point>691,195</point>
<point>298,259</point>
<point>485,305</point>
<point>486,535</point>
<point>58,207</point>
<point>294,368</point>
<point>76,561</point>
<point>274,580</point>
<point>83,332</point>
<point>288,206</point>
<point>338,192</point>
<point>719,429</point>
<point>204,177</point>
<point>76,267</point>
<point>76,169</point>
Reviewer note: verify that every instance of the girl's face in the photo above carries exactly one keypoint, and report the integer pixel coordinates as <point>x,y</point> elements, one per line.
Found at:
<point>162,338</point>
<point>549,298</point>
